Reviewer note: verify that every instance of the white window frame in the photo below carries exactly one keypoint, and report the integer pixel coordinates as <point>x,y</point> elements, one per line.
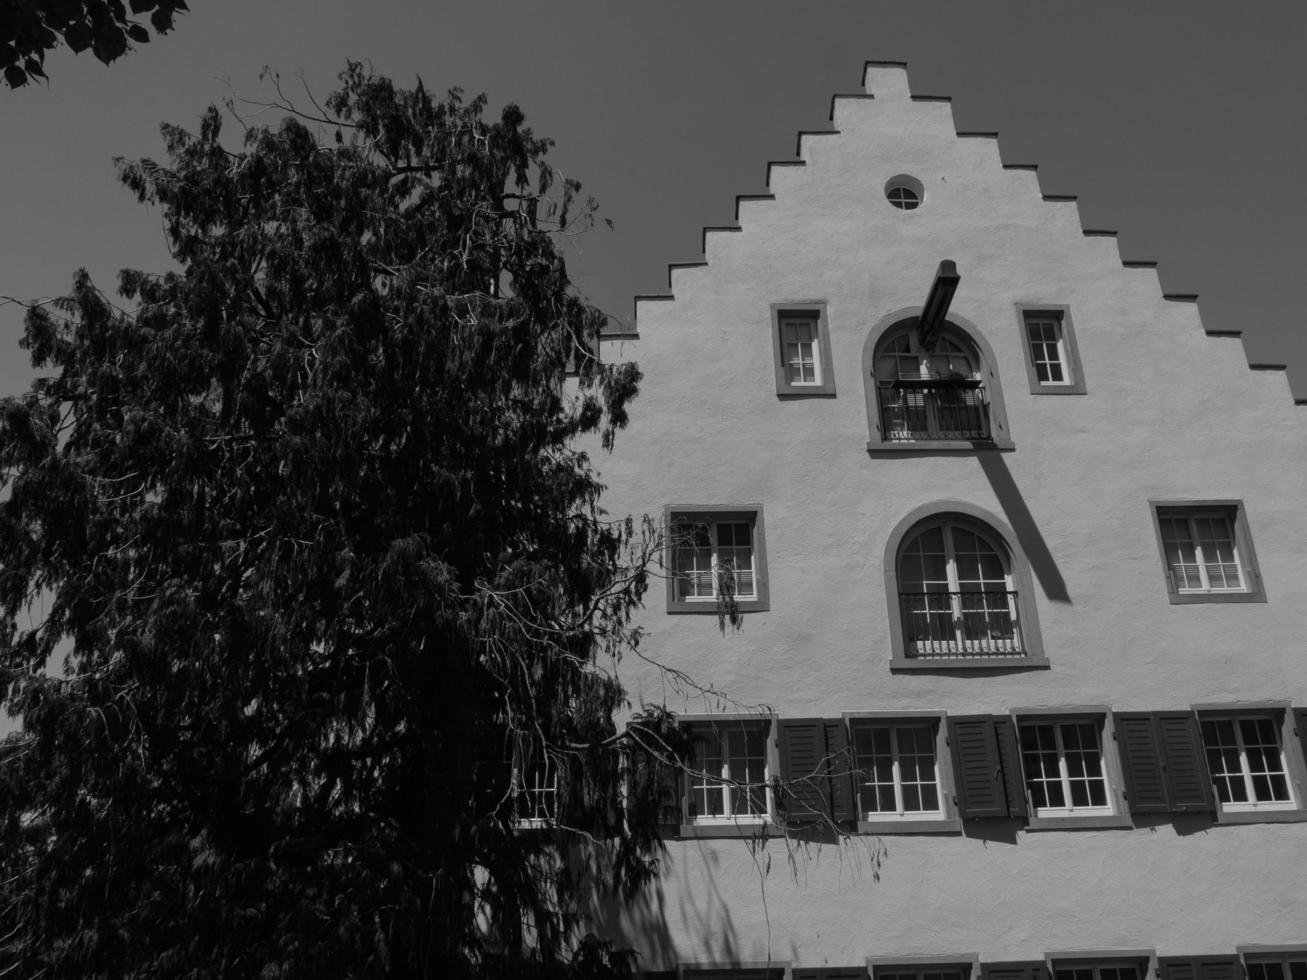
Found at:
<point>1065,779</point>
<point>538,784</point>
<point>716,566</point>
<point>1202,562</point>
<point>1235,518</point>
<point>803,352</point>
<point>680,520</point>
<point>968,647</point>
<point>1115,813</point>
<point>923,967</point>
<point>931,726</point>
<point>1097,966</point>
<point>811,313</point>
<point>728,781</point>
<point>1252,804</point>
<point>1263,956</point>
<point>1057,316</point>
<point>1047,351</point>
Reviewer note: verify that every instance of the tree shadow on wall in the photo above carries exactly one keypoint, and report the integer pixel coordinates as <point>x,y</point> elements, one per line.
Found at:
<point>699,927</point>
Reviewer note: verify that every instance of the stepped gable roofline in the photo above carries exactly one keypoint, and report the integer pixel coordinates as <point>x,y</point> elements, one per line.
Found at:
<point>893,77</point>
<point>750,197</point>
<point>798,142</point>
<point>853,96</point>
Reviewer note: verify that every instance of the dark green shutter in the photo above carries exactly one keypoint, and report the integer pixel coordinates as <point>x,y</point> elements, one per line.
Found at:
<point>1019,970</point>
<point>1300,726</point>
<point>1142,761</point>
<point>977,767</point>
<point>669,780</point>
<point>1164,763</point>
<point>1199,967</point>
<point>1187,780</point>
<point>737,973</point>
<point>806,790</point>
<point>843,788</point>
<point>1009,754</point>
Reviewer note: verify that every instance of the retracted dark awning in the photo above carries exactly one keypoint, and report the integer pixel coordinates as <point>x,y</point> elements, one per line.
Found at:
<point>937,303</point>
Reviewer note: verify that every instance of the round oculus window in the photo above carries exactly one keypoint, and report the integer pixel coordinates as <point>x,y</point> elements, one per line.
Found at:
<point>904,192</point>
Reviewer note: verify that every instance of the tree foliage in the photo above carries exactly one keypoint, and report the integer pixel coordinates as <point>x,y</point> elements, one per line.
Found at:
<point>313,543</point>
<point>30,28</point>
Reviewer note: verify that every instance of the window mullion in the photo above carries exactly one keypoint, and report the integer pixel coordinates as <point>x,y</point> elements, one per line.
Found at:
<point>1245,769</point>
<point>715,564</point>
<point>724,771</point>
<point>954,589</point>
<point>1198,555</point>
<point>896,770</point>
<point>1063,773</point>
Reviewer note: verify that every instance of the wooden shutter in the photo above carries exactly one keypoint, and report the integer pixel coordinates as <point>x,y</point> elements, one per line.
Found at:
<point>737,973</point>
<point>829,973</point>
<point>1300,726</point>
<point>1141,761</point>
<point>1187,779</point>
<point>843,788</point>
<point>806,790</point>
<point>977,767</point>
<point>1009,755</point>
<point>1020,970</point>
<point>1199,968</point>
<point>669,782</point>
<point>1164,763</point>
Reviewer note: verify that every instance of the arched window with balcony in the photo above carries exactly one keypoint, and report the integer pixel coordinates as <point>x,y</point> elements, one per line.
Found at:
<point>932,393</point>
<point>960,594</point>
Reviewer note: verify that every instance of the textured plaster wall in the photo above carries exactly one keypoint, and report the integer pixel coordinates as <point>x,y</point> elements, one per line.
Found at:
<point>1170,413</point>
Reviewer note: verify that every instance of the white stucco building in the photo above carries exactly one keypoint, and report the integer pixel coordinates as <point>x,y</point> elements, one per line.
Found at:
<point>1018,550</point>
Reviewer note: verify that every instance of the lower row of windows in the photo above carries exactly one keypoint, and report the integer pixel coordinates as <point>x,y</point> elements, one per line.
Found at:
<point>925,772</point>
<point>1252,963</point>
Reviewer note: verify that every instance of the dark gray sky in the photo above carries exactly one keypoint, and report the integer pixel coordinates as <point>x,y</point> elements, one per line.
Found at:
<point>1182,124</point>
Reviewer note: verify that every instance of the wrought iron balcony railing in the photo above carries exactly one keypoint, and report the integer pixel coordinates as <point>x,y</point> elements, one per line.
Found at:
<point>913,409</point>
<point>961,624</point>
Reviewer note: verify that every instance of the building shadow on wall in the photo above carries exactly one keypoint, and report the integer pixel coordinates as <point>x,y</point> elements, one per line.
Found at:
<point>1023,525</point>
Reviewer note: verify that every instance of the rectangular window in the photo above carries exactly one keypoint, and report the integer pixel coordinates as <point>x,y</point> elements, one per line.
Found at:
<point>1097,971</point>
<point>1283,966</point>
<point>729,773</point>
<point>1064,771</point>
<point>926,970</point>
<point>1044,334</point>
<point>1207,552</point>
<point>801,349</point>
<point>1247,763</point>
<point>1052,359</point>
<point>799,338</point>
<point>1200,552</point>
<point>715,555</point>
<point>535,787</point>
<point>712,557</point>
<point>897,771</point>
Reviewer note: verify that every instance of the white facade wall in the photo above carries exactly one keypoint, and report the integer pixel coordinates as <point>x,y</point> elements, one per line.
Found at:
<point>1169,413</point>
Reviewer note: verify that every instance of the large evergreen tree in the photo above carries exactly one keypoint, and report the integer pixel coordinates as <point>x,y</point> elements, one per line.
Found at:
<point>306,595</point>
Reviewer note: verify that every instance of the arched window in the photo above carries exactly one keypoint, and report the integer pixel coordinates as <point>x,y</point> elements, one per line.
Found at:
<point>960,595</point>
<point>932,392</point>
<point>956,594</point>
